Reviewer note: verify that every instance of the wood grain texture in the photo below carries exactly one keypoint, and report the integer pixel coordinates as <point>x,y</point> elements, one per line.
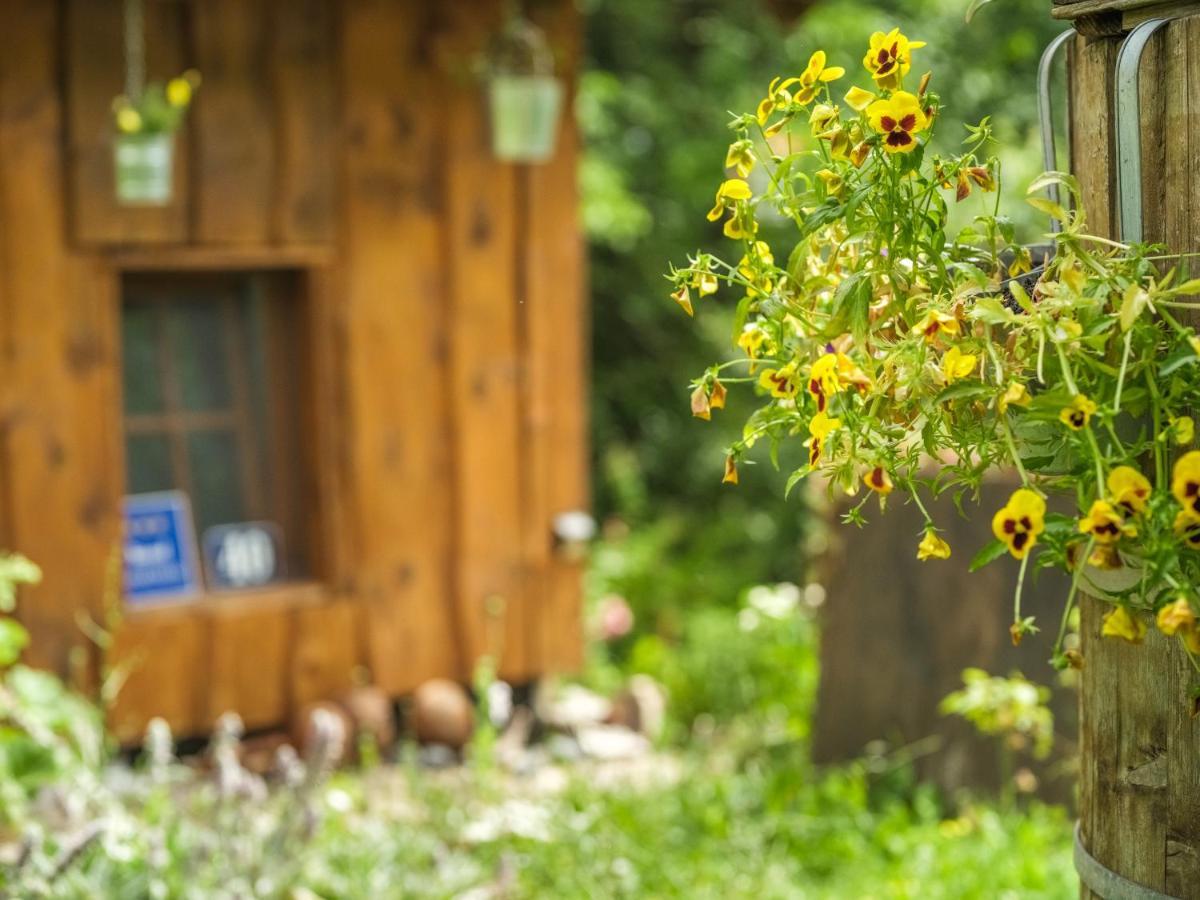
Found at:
<point>393,280</point>
<point>61,457</point>
<point>94,74</point>
<point>1140,774</point>
<point>234,151</point>
<point>484,302</point>
<point>555,399</point>
<point>1090,126</point>
<point>303,68</point>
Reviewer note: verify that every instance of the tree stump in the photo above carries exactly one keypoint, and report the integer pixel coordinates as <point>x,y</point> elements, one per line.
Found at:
<point>1140,748</point>
<point>1140,766</point>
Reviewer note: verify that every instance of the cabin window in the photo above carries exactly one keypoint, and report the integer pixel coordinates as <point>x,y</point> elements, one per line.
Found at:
<point>213,373</point>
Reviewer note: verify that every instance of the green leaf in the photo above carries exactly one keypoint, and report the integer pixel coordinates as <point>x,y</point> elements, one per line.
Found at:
<point>1133,302</point>
<point>1178,361</point>
<point>13,639</point>
<point>1049,207</point>
<point>961,389</point>
<point>991,551</point>
<point>975,6</point>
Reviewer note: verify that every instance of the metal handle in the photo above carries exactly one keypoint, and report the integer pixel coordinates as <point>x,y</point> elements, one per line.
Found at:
<point>1128,122</point>
<point>1046,115</point>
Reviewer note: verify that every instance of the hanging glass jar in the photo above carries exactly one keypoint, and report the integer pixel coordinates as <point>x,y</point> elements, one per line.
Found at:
<point>144,168</point>
<point>525,98</point>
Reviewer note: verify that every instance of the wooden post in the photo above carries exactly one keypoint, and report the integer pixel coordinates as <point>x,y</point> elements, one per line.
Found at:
<point>1140,744</point>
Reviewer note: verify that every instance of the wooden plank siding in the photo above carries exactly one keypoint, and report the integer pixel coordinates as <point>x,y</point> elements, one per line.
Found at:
<point>442,315</point>
<point>1140,759</point>
<point>556,335</point>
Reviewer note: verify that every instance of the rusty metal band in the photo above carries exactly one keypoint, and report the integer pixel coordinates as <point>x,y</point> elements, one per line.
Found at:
<point>1129,136</point>
<point>1104,882</point>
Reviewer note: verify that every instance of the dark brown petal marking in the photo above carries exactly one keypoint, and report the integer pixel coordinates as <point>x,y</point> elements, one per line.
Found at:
<point>1026,524</point>
<point>1190,489</point>
<point>1009,526</point>
<point>899,139</point>
<point>909,122</point>
<point>895,47</point>
<point>883,55</point>
<point>814,452</point>
<point>1020,540</point>
<point>887,123</point>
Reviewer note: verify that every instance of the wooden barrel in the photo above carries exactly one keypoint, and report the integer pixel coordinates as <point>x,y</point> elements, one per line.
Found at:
<point>1139,833</point>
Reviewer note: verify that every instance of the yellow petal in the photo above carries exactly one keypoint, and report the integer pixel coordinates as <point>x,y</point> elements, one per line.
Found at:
<point>833,73</point>
<point>858,99</point>
<point>735,189</point>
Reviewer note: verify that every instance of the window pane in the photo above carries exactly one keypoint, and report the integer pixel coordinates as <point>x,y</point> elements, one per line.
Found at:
<point>148,463</point>
<point>198,337</point>
<point>216,479</point>
<point>139,337</point>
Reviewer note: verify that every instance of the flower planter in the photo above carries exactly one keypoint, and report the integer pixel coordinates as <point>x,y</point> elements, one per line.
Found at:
<point>525,112</point>
<point>143,168</point>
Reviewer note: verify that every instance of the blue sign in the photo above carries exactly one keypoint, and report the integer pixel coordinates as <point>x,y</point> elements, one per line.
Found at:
<point>160,547</point>
<point>245,555</point>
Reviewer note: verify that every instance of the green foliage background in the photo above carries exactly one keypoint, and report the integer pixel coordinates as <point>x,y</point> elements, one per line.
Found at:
<point>661,79</point>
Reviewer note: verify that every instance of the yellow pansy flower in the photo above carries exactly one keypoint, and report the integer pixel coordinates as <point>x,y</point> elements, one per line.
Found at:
<point>1187,528</point>
<point>834,186</point>
<point>701,408</point>
<point>935,323</point>
<point>858,99</point>
<point>179,92</point>
<point>732,190</point>
<point>1129,489</point>
<point>684,298</point>
<point>1014,395</point>
<point>1078,413</point>
<point>1176,616</point>
<point>129,120</point>
<point>731,472</point>
<point>822,117</point>
<point>1105,524</point>
<point>814,75</point>
<point>751,340</point>
<point>741,157</point>
<point>956,364</point>
<point>878,480</point>
<point>899,118</point>
<point>781,383</point>
<point>1185,481</point>
<point>932,547</point>
<point>716,397</point>
<point>1119,623</point>
<point>819,428</point>
<point>1019,522</point>
<point>890,57</point>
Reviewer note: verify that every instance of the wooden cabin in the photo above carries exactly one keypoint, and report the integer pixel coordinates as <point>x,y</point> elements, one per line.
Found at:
<point>351,321</point>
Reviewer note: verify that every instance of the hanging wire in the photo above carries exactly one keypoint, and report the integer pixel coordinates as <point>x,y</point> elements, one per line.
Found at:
<point>135,49</point>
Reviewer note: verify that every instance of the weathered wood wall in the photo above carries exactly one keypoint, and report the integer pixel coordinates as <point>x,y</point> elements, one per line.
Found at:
<point>897,633</point>
<point>444,305</point>
<point>1140,759</point>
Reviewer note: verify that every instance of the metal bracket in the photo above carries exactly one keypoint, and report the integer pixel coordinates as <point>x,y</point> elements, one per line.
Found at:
<point>1046,115</point>
<point>1128,128</point>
